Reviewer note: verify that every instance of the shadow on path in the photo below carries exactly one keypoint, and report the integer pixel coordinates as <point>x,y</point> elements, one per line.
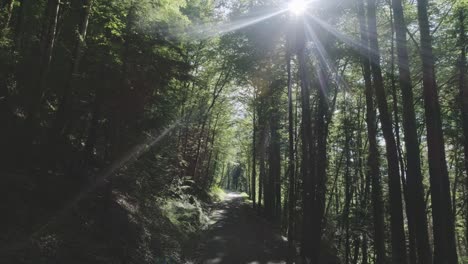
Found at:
<point>239,236</point>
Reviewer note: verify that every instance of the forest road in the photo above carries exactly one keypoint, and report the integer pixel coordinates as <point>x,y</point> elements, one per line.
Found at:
<point>238,235</point>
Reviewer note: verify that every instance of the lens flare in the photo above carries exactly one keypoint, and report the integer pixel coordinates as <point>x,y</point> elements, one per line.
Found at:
<point>297,7</point>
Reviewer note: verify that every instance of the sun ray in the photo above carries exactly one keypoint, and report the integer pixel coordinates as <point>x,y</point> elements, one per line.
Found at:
<point>209,30</point>
<point>324,62</point>
<point>353,43</point>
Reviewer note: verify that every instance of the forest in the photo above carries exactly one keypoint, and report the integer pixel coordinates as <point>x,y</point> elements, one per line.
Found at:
<point>234,131</point>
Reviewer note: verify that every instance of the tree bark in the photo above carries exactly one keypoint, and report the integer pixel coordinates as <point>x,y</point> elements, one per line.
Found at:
<point>306,133</point>
<point>274,155</point>
<point>254,154</point>
<point>415,193</point>
<point>46,49</point>
<point>373,163</point>
<point>463,100</point>
<point>321,159</point>
<point>63,112</point>
<point>291,166</point>
<point>443,226</point>
<point>396,205</point>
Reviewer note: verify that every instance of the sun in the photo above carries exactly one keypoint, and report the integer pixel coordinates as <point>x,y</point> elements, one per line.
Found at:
<point>297,7</point>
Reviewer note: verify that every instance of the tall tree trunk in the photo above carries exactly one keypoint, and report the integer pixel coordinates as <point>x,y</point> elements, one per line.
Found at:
<point>274,160</point>
<point>373,156</point>
<point>347,183</point>
<point>443,226</point>
<point>307,191</point>
<point>463,100</point>
<point>321,160</point>
<point>199,144</point>
<point>291,165</point>
<point>91,140</point>
<point>211,140</point>
<point>409,212</point>
<point>275,149</point>
<point>415,193</point>
<point>396,204</point>
<point>18,27</point>
<point>46,49</point>
<point>62,114</point>
<point>262,196</point>
<point>254,154</point>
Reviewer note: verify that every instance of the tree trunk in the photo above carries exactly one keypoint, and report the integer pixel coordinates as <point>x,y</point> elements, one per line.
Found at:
<point>415,193</point>
<point>443,226</point>
<point>463,100</point>
<point>291,166</point>
<point>396,205</point>
<point>63,111</point>
<point>88,151</point>
<point>321,160</point>
<point>262,196</point>
<point>254,154</point>
<point>348,193</point>
<point>46,48</point>
<point>373,168</point>
<point>18,27</point>
<point>274,152</point>
<point>307,191</point>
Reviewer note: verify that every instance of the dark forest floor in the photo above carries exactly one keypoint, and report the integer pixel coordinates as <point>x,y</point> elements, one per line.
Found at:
<point>238,235</point>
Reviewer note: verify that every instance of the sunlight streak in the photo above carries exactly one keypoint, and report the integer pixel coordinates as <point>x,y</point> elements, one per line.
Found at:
<point>124,160</point>
<point>325,62</point>
<point>211,30</point>
<point>353,43</point>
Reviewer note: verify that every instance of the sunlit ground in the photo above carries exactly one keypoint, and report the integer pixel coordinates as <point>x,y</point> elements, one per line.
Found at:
<point>234,195</point>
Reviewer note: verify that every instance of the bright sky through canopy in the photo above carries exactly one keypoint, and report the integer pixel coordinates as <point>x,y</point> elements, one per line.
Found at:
<point>297,7</point>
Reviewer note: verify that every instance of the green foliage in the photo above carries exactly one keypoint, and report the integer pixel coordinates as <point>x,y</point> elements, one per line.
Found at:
<point>186,214</point>
<point>217,193</point>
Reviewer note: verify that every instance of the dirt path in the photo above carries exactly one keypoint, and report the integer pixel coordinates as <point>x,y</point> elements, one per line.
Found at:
<point>239,236</point>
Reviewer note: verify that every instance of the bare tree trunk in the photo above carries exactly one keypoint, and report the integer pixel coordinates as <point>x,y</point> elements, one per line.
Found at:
<point>373,156</point>
<point>348,192</point>
<point>199,143</point>
<point>291,166</point>
<point>443,227</point>
<point>306,133</point>
<point>63,111</point>
<point>463,100</point>
<point>262,196</point>
<point>254,153</point>
<point>46,49</point>
<point>321,160</point>
<point>396,204</point>
<point>417,214</point>
<point>91,140</point>
<point>18,27</point>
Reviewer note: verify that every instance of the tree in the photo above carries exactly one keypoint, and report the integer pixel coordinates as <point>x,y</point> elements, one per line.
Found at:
<point>291,163</point>
<point>396,204</point>
<point>62,114</point>
<point>415,189</point>
<point>443,225</point>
